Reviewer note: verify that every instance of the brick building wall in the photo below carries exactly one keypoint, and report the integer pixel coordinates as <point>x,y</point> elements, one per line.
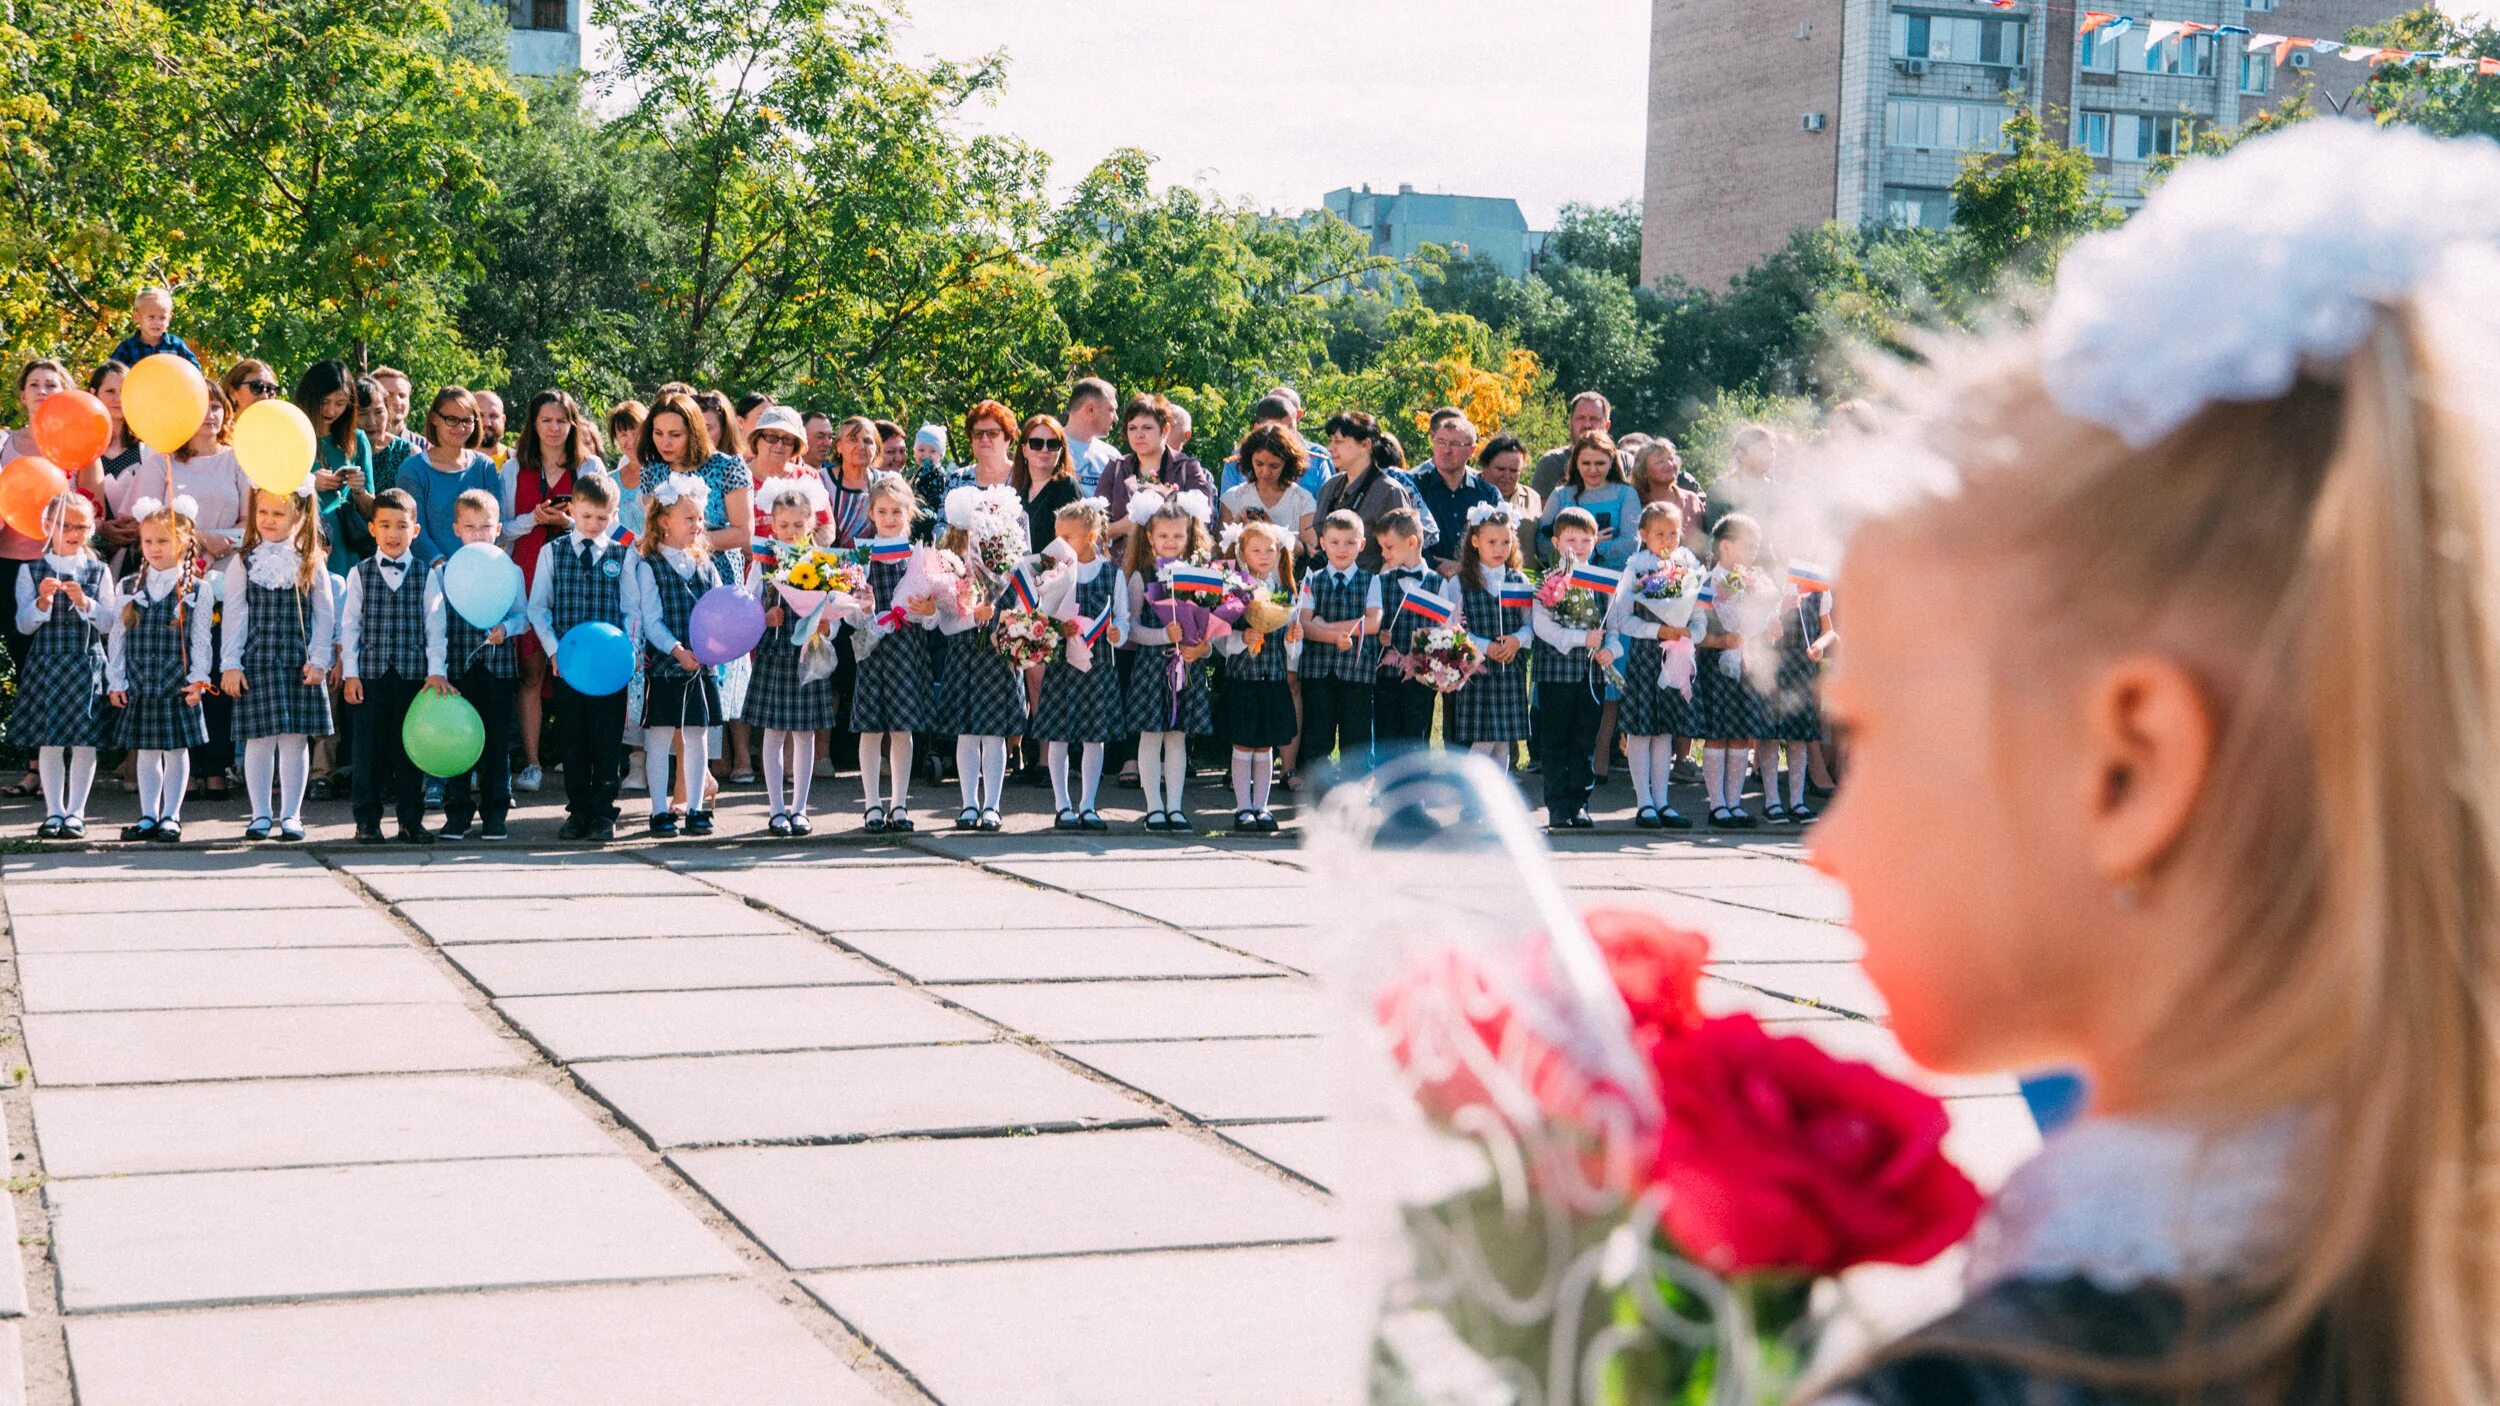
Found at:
<point>2328,82</point>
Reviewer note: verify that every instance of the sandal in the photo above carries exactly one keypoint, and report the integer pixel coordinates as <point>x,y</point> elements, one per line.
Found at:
<point>1092,820</point>
<point>873,820</point>
<point>20,789</point>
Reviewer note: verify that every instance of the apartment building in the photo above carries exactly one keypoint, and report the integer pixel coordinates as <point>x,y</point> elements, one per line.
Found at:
<point>1770,116</point>
<point>546,37</point>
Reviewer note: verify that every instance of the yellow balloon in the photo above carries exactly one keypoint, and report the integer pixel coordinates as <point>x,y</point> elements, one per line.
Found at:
<point>273,441</point>
<point>163,401</point>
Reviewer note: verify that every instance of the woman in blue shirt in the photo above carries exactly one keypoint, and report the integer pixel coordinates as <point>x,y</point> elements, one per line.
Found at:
<point>1595,484</point>
<point>447,469</point>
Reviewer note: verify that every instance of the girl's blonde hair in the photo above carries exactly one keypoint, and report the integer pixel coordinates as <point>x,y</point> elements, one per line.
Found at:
<point>2324,563</point>
<point>1088,511</point>
<point>184,537</point>
<point>305,537</point>
<point>1141,551</point>
<point>1279,538</point>
<point>893,488</point>
<point>649,543</point>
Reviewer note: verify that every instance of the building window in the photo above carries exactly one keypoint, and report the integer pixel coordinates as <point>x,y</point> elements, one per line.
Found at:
<point>1953,39</point>
<point>540,14</point>
<point>1911,122</point>
<point>2092,132</point>
<point>2188,54</point>
<point>2104,52</point>
<point>2259,4</point>
<point>2128,136</point>
<point>1917,207</point>
<point>2257,73</point>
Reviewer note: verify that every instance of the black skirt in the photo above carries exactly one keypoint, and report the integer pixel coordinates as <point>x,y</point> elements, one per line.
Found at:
<point>671,697</point>
<point>1258,713</point>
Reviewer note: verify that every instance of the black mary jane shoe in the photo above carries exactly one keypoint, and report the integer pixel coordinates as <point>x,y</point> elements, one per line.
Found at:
<point>1153,823</point>
<point>899,821</point>
<point>290,832</point>
<point>1739,818</point>
<point>698,822</point>
<point>73,828</point>
<point>1669,818</point>
<point>1245,822</point>
<point>1647,818</point>
<point>1267,822</point>
<point>50,829</point>
<point>1718,818</point>
<point>1092,820</point>
<point>664,825</point>
<point>1803,815</point>
<point>778,826</point>
<point>1776,814</point>
<point>800,824</point>
<point>992,822</point>
<point>969,818</point>
<point>873,820</point>
<point>1177,822</point>
<point>144,830</point>
<point>167,832</point>
<point>257,830</point>
<point>1068,820</point>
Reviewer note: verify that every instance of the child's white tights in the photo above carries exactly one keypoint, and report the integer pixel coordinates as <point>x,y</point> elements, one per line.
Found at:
<point>1653,768</point>
<point>694,747</point>
<point>981,770</point>
<point>68,774</point>
<point>284,761</point>
<point>1766,759</point>
<point>1723,774</point>
<point>1254,777</point>
<point>1055,756</point>
<point>1163,768</point>
<point>163,777</point>
<point>789,765</point>
<point>893,749</point>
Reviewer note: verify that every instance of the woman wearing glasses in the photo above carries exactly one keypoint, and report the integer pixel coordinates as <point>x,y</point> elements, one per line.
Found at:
<point>1044,476</point>
<point>447,469</point>
<point>249,382</point>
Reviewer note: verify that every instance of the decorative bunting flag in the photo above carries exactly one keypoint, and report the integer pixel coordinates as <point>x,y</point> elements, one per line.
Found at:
<point>2284,50</point>
<point>2358,53</point>
<point>1585,577</point>
<point>2326,46</point>
<point>889,551</point>
<point>2259,43</point>
<point>1427,605</point>
<point>2222,29</point>
<point>2094,19</point>
<point>2159,31</point>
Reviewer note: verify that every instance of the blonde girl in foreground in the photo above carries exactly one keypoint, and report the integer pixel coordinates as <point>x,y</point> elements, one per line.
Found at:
<point>2194,655</point>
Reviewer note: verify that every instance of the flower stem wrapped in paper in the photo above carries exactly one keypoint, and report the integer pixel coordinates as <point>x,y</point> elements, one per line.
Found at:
<point>1603,1194</point>
<point>821,587</point>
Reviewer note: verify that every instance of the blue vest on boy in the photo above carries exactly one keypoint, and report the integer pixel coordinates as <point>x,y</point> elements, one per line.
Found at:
<point>1397,624</point>
<point>588,584</point>
<point>390,624</point>
<point>1334,602</point>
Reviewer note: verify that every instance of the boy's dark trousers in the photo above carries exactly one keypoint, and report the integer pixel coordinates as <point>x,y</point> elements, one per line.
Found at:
<point>590,736</point>
<point>1566,731</point>
<point>1401,711</point>
<point>1336,717</point>
<point>382,765</point>
<point>492,697</point>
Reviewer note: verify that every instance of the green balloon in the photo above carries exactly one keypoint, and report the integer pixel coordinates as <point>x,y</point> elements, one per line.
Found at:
<point>443,735</point>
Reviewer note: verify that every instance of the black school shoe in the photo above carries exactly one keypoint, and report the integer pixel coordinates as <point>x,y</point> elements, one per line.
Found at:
<point>1672,819</point>
<point>453,832</point>
<point>144,830</point>
<point>370,835</point>
<point>664,825</point>
<point>573,828</point>
<point>698,822</point>
<point>73,828</point>
<point>415,835</point>
<point>166,832</point>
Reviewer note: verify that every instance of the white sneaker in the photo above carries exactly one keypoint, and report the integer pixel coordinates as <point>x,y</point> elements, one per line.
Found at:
<point>633,776</point>
<point>824,768</point>
<point>528,779</point>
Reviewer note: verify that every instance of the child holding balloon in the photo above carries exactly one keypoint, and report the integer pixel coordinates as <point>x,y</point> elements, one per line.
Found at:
<point>65,605</point>
<point>680,699</point>
<point>279,622</point>
<point>382,664</point>
<point>482,665</point>
<point>579,585</point>
<point>156,665</point>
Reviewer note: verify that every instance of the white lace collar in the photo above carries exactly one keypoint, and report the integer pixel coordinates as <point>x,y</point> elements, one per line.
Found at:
<point>274,566</point>
<point>2124,1202</point>
<point>67,566</point>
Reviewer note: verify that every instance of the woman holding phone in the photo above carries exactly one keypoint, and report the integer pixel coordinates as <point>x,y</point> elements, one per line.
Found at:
<point>555,445</point>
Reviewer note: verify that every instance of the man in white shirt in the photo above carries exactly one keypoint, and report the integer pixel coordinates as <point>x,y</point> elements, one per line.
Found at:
<point>1092,405</point>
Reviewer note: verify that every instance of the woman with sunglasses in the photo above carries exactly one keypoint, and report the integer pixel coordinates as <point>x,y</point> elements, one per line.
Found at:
<point>249,382</point>
<point>1044,476</point>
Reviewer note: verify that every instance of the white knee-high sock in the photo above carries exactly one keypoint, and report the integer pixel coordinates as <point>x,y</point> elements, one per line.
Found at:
<point>1262,779</point>
<point>802,771</point>
<point>871,767</point>
<point>968,771</point>
<point>1636,753</point>
<point>294,770</point>
<point>1766,760</point>
<point>260,774</point>
<point>1090,765</point>
<point>1661,765</point>
<point>1150,769</point>
<point>1175,769</point>
<point>1796,774</point>
<point>1241,780</point>
<point>177,779</point>
<point>1714,775</point>
<point>993,771</point>
<point>1055,756</point>
<point>52,764</point>
<point>656,744</point>
<point>898,767</point>
<point>81,780</point>
<point>776,759</point>
<point>694,757</point>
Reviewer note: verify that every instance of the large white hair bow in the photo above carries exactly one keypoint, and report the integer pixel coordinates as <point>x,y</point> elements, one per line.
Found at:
<point>145,508</point>
<point>804,489</point>
<point>679,487</point>
<point>1144,504</point>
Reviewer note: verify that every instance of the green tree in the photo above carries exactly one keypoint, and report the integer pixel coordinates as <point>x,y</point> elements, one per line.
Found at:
<point>1601,238</point>
<point>2448,102</point>
<point>2016,211</point>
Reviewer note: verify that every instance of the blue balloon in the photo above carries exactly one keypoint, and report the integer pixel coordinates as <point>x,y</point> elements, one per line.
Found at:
<point>594,658</point>
<point>482,584</point>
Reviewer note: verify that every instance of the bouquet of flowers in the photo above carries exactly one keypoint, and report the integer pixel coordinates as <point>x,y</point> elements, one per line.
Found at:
<point>1667,592</point>
<point>1029,634</point>
<point>821,586</point>
<point>1258,610</point>
<point>1443,658</point>
<point>1748,600</point>
<point>1608,1195</point>
<point>1027,638</point>
<point>1573,607</point>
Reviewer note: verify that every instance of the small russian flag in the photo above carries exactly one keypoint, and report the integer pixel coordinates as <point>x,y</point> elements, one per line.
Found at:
<point>1427,605</point>
<point>764,551</point>
<point>889,551</point>
<point>1020,592</point>
<point>1190,580</point>
<point>1092,634</point>
<point>1585,577</point>
<point>1808,578</point>
<point>1516,595</point>
<point>1709,594</point>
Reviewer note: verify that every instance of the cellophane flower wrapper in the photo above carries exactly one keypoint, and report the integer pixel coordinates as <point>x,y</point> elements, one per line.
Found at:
<point>1666,595</point>
<point>1444,658</point>
<point>1027,638</point>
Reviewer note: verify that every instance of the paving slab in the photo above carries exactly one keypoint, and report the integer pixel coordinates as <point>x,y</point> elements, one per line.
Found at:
<point>659,964</point>
<point>148,981</point>
<point>915,898</point>
<point>1722,997</point>
<point>550,878</point>
<point>239,1237</point>
<point>1314,1151</point>
<point>221,931</point>
<point>737,1022</point>
<point>482,859</point>
<point>250,1125</point>
<point>72,866</point>
<point>1821,902</point>
<point>645,1345</point>
<point>1049,844</point>
<point>1302,947</point>
<point>1226,1080</point>
<point>1741,934</point>
<point>12,1264</point>
<point>1151,1010</point>
<point>846,1095</point>
<point>1222,1328</point>
<point>1186,871</point>
<point>1211,908</point>
<point>1840,985</point>
<point>1051,954</point>
<point>1000,1198</point>
<point>766,853</point>
<point>1724,870</point>
<point>518,918</point>
<point>186,894</point>
<point>155,1047</point>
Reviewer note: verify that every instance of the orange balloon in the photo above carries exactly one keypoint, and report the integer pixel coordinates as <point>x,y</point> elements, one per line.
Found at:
<point>72,428</point>
<point>27,488</point>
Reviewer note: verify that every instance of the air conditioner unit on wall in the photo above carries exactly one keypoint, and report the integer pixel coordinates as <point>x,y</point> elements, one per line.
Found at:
<point>1916,68</point>
<point>1814,122</point>
<point>2300,58</point>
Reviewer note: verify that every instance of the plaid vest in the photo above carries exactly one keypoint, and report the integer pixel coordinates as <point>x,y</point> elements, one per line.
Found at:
<point>679,593</point>
<point>883,577</point>
<point>1268,663</point>
<point>1334,602</point>
<point>1560,666</point>
<point>153,648</point>
<point>64,632</point>
<point>585,590</point>
<point>390,625</point>
<point>465,646</point>
<point>1397,625</point>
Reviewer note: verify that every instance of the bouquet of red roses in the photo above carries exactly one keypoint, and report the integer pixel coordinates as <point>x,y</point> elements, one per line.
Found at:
<point>1630,1201</point>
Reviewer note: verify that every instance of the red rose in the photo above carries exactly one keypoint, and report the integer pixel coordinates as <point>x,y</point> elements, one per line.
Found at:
<point>1656,967</point>
<point>1775,1155</point>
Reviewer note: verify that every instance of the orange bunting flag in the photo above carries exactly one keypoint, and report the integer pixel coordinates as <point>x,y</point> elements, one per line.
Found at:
<point>2487,67</point>
<point>2283,51</point>
<point>2092,20</point>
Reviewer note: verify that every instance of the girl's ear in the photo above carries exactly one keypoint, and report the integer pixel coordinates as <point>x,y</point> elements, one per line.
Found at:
<point>2151,734</point>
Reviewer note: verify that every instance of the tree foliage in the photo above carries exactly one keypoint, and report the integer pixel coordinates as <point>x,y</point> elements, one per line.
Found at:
<point>2016,211</point>
<point>2448,102</point>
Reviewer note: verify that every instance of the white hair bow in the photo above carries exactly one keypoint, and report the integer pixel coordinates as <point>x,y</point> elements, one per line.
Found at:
<point>1193,502</point>
<point>803,489</point>
<point>1231,535</point>
<point>146,508</point>
<point>1098,504</point>
<point>1144,504</point>
<point>1483,513</point>
<point>677,488</point>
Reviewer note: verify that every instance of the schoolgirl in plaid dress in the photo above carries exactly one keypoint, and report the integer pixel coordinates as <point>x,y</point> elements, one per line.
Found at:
<point>65,606</point>
<point>680,699</point>
<point>1168,700</point>
<point>1083,709</point>
<point>1795,704</point>
<point>1258,713</point>
<point>790,709</point>
<point>1489,712</point>
<point>1733,713</point>
<point>1654,714</point>
<point>981,700</point>
<point>890,689</point>
<point>280,622</point>
<point>156,665</point>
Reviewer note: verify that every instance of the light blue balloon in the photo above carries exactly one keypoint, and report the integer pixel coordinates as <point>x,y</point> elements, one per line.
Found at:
<point>594,658</point>
<point>482,584</point>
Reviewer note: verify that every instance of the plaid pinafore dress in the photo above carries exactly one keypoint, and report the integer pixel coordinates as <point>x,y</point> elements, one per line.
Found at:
<point>1796,703</point>
<point>1164,694</point>
<point>1084,706</point>
<point>1732,707</point>
<point>890,692</point>
<point>671,697</point>
<point>276,701</point>
<point>60,685</point>
<point>156,667</point>
<point>983,695</point>
<point>776,697</point>
<point>1492,706</point>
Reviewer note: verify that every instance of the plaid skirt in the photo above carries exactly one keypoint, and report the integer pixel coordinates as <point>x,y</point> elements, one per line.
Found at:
<point>778,699</point>
<point>673,698</point>
<point>1732,709</point>
<point>891,693</point>
<point>276,702</point>
<point>159,722</point>
<point>983,695</point>
<point>1153,706</point>
<point>1080,707</point>
<point>1796,707</point>
<point>1650,710</point>
<point>1259,713</point>
<point>60,699</point>
<point>1491,707</point>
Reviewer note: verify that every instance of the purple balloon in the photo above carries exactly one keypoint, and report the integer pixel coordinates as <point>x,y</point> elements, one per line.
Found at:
<point>726,624</point>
